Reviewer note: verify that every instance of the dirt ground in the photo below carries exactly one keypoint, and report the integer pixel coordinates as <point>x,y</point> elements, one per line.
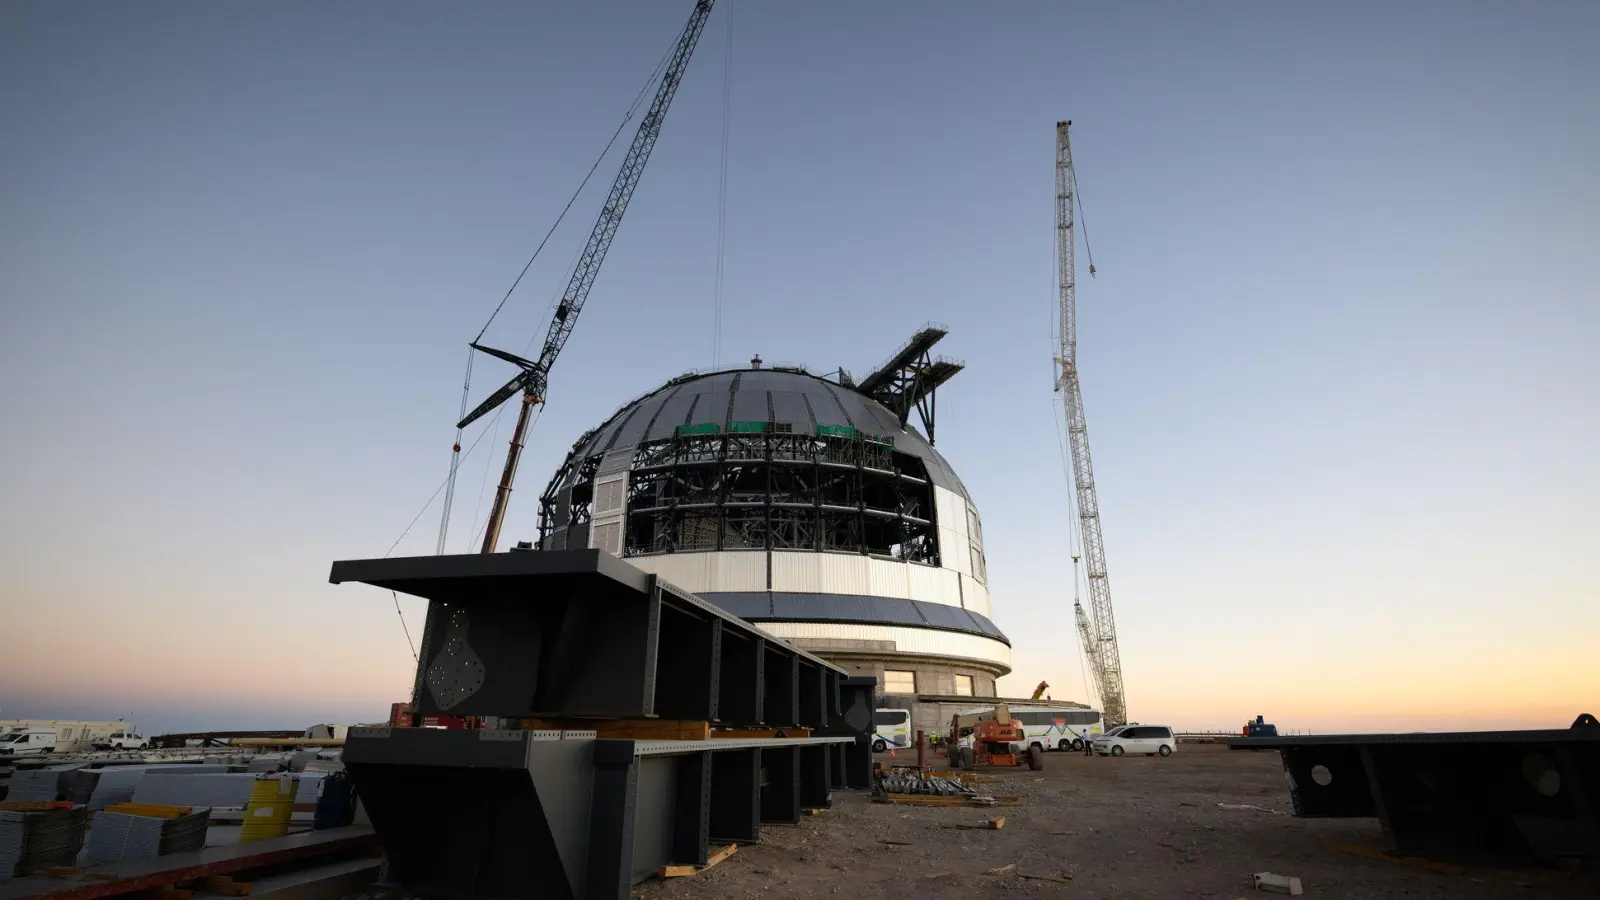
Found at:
<point>1129,827</point>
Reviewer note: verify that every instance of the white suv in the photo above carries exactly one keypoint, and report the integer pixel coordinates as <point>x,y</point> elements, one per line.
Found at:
<point>1146,739</point>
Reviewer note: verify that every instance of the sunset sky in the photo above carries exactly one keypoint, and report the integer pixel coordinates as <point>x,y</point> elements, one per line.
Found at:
<point>1339,359</point>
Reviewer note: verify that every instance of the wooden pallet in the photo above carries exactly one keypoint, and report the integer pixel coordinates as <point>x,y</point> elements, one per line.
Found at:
<point>718,854</point>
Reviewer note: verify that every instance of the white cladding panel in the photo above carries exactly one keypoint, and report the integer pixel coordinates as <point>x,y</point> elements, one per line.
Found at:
<point>954,551</point>
<point>800,572</point>
<point>931,584</point>
<point>950,511</point>
<point>690,571</point>
<point>844,573</point>
<point>975,595</point>
<point>606,534</point>
<point>739,570</point>
<point>906,640</point>
<point>888,578</point>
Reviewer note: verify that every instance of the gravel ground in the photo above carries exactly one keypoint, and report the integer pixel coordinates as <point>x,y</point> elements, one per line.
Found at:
<point>1130,827</point>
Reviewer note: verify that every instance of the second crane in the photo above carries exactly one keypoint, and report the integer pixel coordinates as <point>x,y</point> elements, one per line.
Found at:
<point>1099,629</point>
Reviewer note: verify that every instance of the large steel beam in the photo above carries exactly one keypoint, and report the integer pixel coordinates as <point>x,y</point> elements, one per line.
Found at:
<point>1497,793</point>
<point>582,634</point>
<point>513,814</point>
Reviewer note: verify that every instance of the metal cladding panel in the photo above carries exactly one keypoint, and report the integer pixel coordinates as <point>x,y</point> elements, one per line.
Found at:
<point>738,570</point>
<point>954,552</point>
<point>950,514</point>
<point>844,573</point>
<point>744,604</point>
<point>690,571</point>
<point>750,403</point>
<point>616,460</point>
<point>888,578</point>
<point>931,584</point>
<point>796,572</point>
<point>854,609</point>
<point>833,606</point>
<point>906,640</point>
<point>790,407</point>
<point>951,510</point>
<point>974,595</point>
<point>674,412</point>
<point>949,617</point>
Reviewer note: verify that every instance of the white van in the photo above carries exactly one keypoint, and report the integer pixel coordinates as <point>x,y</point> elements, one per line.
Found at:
<point>1147,739</point>
<point>1059,728</point>
<point>890,728</point>
<point>28,742</point>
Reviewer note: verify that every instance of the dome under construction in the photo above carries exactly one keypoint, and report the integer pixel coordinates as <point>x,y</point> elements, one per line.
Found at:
<point>808,505</point>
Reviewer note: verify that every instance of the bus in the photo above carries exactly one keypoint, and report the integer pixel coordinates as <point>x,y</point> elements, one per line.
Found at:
<point>1059,728</point>
<point>891,728</point>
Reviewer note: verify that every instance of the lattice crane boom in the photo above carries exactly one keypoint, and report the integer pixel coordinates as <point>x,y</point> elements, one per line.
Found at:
<point>533,381</point>
<point>1099,634</point>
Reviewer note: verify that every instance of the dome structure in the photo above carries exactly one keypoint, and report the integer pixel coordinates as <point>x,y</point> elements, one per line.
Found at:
<point>802,504</point>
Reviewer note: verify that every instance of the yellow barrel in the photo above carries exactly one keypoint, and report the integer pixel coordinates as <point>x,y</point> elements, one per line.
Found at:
<point>271,804</point>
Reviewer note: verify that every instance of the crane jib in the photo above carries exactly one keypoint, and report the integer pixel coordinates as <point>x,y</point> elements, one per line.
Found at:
<point>532,381</point>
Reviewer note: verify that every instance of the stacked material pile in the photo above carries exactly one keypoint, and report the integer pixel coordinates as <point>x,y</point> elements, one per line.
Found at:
<point>77,785</point>
<point>100,788</point>
<point>912,782</point>
<point>37,835</point>
<point>35,785</point>
<point>144,831</point>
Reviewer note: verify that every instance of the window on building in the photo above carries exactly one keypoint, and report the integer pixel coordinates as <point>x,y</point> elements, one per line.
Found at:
<point>963,685</point>
<point>899,682</point>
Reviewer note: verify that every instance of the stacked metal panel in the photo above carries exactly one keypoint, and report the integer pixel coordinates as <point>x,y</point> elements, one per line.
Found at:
<point>119,784</point>
<point>37,784</point>
<point>31,841</point>
<point>120,836</point>
<point>78,785</point>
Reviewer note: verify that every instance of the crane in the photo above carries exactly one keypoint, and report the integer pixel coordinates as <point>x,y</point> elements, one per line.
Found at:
<point>1099,629</point>
<point>534,378</point>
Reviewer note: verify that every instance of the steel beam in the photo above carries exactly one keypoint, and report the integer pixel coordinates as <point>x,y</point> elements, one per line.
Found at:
<point>512,814</point>
<point>1495,793</point>
<point>580,633</point>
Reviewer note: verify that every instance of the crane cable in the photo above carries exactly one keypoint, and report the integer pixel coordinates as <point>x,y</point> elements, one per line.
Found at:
<point>722,191</point>
<point>466,387</point>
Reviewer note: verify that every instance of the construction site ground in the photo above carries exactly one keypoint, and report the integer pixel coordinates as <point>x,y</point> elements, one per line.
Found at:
<point>1143,827</point>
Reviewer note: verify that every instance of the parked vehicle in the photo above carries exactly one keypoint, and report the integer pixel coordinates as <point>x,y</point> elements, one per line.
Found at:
<point>1147,739</point>
<point>126,740</point>
<point>890,728</point>
<point>991,737</point>
<point>1059,728</point>
<point>1260,728</point>
<point>28,742</point>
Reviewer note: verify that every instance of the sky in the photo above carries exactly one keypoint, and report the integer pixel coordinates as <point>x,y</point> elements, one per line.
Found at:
<point>1338,358</point>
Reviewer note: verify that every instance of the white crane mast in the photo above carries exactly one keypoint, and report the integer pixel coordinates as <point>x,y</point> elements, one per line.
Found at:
<point>1100,632</point>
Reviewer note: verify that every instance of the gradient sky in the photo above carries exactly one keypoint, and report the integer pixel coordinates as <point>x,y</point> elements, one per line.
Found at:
<point>1339,361</point>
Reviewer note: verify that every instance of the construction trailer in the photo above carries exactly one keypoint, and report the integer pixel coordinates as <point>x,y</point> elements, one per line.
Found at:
<point>1510,794</point>
<point>652,725</point>
<point>70,735</point>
